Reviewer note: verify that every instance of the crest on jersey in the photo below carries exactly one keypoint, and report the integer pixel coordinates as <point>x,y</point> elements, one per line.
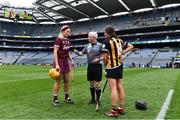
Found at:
<point>103,46</point>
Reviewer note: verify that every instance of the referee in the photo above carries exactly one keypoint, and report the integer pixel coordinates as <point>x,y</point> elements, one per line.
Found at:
<point>94,71</point>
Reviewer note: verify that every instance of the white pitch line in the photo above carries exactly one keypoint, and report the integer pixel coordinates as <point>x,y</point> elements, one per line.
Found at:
<point>16,80</point>
<point>165,106</point>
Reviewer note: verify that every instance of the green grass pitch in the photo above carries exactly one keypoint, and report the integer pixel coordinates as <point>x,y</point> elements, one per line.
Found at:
<point>26,93</point>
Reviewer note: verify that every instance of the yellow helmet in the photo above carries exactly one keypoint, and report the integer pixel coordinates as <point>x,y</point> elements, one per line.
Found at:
<point>54,73</point>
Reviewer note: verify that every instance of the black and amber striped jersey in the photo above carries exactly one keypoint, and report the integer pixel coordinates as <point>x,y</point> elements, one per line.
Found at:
<point>114,47</point>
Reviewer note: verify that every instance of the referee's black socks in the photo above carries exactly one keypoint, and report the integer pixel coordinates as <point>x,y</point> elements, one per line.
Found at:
<point>92,90</point>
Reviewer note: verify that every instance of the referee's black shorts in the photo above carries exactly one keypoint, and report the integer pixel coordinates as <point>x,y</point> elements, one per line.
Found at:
<point>115,73</point>
<point>94,72</point>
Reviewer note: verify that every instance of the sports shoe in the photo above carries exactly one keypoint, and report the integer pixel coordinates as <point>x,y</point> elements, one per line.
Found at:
<point>56,103</point>
<point>68,101</point>
<point>120,110</point>
<point>92,102</point>
<point>112,113</point>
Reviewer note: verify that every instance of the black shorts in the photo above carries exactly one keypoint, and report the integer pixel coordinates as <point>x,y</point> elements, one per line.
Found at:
<point>94,72</point>
<point>116,73</point>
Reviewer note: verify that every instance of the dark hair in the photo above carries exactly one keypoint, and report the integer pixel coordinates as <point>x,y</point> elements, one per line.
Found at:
<point>65,27</point>
<point>110,31</point>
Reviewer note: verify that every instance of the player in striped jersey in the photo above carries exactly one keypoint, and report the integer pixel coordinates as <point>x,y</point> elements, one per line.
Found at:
<point>112,52</point>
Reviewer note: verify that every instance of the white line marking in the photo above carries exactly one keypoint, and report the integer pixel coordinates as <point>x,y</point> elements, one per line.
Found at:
<point>16,80</point>
<point>22,80</point>
<point>165,106</point>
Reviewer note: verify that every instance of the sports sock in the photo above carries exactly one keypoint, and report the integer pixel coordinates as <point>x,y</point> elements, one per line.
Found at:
<point>92,90</point>
<point>121,106</point>
<point>98,93</point>
<point>114,107</point>
<point>55,98</point>
<point>66,95</point>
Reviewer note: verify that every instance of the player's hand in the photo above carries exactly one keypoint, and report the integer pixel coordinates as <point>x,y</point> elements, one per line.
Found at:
<point>76,51</point>
<point>57,67</point>
<point>96,60</point>
<point>72,64</point>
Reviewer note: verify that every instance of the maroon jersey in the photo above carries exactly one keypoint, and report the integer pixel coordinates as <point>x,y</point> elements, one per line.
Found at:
<point>63,44</point>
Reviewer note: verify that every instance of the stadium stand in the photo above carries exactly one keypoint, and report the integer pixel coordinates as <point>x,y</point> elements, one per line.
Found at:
<point>149,31</point>
<point>142,57</point>
<point>149,18</point>
<point>19,57</point>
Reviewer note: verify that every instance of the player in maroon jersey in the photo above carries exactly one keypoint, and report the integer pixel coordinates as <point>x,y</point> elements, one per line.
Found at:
<point>61,62</point>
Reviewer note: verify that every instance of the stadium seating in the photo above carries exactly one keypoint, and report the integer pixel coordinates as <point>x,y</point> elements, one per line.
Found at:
<point>10,57</point>
<point>142,58</point>
<point>133,20</point>
<point>164,58</point>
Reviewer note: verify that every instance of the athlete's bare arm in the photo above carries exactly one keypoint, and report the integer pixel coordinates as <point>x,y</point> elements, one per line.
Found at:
<point>79,53</point>
<point>129,48</point>
<point>56,57</point>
